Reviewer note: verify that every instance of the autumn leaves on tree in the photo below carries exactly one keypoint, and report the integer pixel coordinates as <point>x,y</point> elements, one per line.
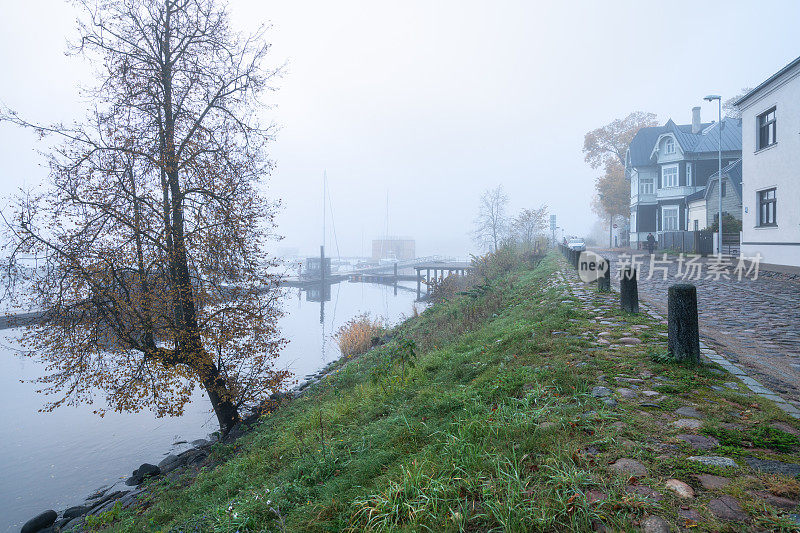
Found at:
<point>606,147</point>
<point>149,241</point>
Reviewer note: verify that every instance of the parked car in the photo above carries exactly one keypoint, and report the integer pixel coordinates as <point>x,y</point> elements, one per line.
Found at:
<point>579,245</point>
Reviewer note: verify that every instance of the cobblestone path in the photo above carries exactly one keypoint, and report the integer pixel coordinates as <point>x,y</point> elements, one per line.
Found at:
<point>753,322</point>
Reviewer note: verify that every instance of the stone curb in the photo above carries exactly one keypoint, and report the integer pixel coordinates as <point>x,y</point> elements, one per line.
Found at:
<point>715,357</point>
<point>752,384</point>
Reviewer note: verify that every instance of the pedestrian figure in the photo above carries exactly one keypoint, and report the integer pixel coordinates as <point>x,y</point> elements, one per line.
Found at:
<point>651,243</point>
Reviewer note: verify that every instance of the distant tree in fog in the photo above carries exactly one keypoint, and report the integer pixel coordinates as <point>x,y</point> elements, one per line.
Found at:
<point>607,146</point>
<point>613,139</point>
<point>151,235</point>
<point>728,107</point>
<point>528,225</point>
<point>612,193</point>
<point>491,224</point>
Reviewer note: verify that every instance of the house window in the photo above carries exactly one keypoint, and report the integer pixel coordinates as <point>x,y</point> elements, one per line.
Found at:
<point>724,188</point>
<point>646,186</point>
<point>766,129</point>
<point>669,145</point>
<point>766,208</point>
<point>696,225</point>
<point>669,176</point>
<point>670,216</point>
<point>689,174</point>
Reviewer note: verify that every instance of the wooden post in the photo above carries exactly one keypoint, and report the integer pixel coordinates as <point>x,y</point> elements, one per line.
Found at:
<point>419,280</point>
<point>629,291</point>
<point>428,279</point>
<point>322,264</point>
<point>604,281</point>
<point>683,340</point>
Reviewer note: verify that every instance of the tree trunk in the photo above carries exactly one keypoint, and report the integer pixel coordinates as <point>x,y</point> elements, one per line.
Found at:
<point>219,395</point>
<point>189,340</point>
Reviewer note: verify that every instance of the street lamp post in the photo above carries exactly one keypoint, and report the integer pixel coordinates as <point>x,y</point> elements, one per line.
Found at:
<point>718,98</point>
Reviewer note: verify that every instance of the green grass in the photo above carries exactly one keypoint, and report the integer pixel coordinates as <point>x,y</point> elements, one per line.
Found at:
<point>476,418</point>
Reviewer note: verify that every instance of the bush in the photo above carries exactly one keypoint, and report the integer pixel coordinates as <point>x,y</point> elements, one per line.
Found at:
<point>730,224</point>
<point>446,288</point>
<point>355,337</point>
<point>496,264</point>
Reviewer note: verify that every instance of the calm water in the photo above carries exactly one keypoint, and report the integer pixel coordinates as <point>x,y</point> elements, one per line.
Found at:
<point>54,460</point>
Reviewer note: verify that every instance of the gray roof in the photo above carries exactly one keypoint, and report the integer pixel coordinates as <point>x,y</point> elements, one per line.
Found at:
<point>641,147</point>
<point>731,137</point>
<point>696,196</point>
<point>733,172</point>
<point>707,139</point>
<point>768,81</point>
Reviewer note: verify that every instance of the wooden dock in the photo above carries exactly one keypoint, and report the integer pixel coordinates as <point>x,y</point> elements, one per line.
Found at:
<point>437,270</point>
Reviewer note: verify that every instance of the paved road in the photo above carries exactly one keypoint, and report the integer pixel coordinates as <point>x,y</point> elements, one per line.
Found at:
<point>754,322</point>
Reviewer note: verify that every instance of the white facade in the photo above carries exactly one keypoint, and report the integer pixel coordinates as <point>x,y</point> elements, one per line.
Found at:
<point>697,215</point>
<point>772,228</point>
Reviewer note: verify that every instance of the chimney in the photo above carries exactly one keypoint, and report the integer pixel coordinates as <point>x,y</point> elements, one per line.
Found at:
<point>696,119</point>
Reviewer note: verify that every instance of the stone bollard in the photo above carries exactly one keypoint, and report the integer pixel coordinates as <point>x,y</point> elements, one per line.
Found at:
<point>683,340</point>
<point>629,291</point>
<point>604,281</point>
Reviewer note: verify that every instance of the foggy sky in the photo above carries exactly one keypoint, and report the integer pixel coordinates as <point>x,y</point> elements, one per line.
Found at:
<point>434,102</point>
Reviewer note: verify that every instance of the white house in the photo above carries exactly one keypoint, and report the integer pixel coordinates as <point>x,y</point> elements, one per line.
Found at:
<point>771,168</point>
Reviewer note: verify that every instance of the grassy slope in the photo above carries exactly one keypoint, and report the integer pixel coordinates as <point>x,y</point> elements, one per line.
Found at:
<point>494,427</point>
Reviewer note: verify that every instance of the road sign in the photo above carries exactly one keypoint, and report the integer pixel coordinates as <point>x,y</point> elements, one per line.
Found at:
<point>552,222</point>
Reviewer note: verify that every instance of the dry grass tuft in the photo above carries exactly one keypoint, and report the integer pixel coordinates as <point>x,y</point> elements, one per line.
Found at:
<point>783,486</point>
<point>357,335</point>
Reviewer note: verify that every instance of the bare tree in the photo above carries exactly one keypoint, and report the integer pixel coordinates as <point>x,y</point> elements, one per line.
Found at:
<point>731,111</point>
<point>152,273</point>
<point>528,225</point>
<point>491,224</point>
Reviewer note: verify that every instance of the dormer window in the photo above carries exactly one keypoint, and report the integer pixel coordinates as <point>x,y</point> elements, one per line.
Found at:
<point>669,146</point>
